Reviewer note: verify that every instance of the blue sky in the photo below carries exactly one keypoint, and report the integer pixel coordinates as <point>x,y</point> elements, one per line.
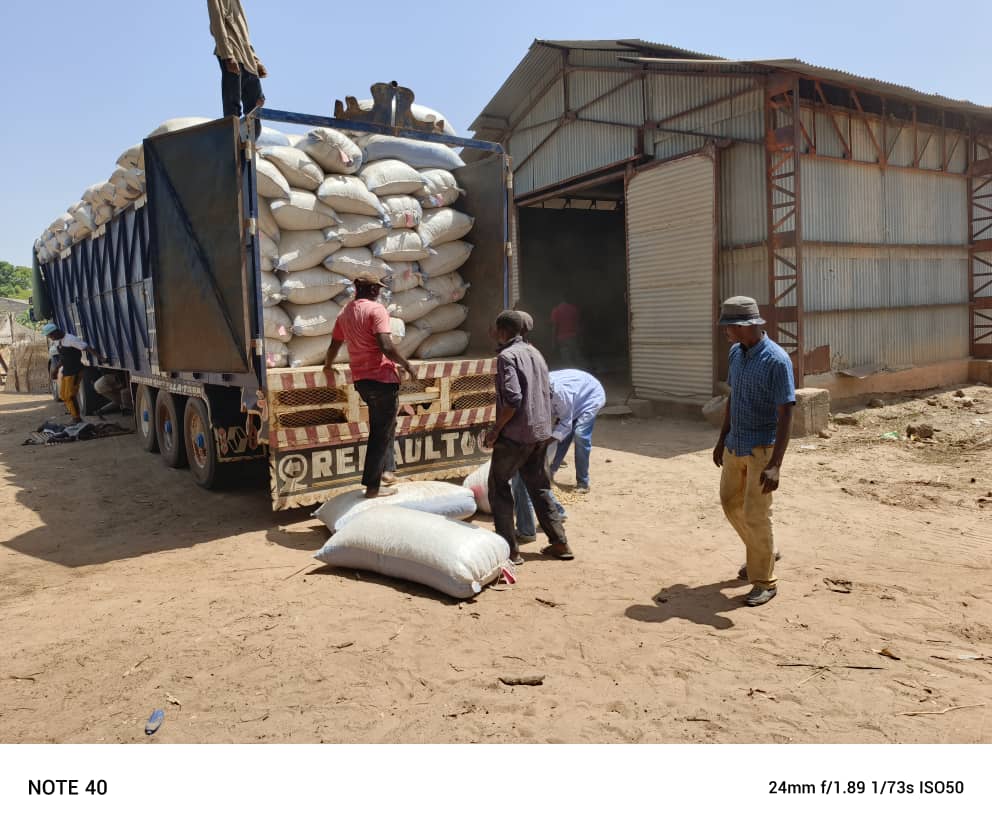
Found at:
<point>82,80</point>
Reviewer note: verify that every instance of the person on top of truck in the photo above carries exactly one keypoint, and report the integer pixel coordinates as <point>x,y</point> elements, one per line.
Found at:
<point>71,349</point>
<point>364,326</point>
<point>240,67</point>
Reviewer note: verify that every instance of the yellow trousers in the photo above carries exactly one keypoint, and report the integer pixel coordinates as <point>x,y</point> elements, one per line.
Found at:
<point>68,388</point>
<point>750,511</point>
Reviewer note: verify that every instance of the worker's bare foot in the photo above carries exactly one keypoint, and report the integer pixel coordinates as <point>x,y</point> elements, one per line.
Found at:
<point>372,493</point>
<point>389,478</point>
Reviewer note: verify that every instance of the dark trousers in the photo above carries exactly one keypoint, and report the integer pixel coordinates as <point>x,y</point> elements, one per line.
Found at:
<point>383,401</point>
<point>239,90</point>
<point>531,461</point>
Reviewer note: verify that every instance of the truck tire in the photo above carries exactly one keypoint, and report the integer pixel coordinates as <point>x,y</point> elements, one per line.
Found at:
<point>169,429</point>
<point>201,450</point>
<point>144,418</point>
<point>88,400</point>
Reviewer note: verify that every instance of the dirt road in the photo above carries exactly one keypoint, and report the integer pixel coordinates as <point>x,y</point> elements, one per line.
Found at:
<point>124,588</point>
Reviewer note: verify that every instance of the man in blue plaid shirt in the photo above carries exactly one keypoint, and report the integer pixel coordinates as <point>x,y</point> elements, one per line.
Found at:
<point>753,439</point>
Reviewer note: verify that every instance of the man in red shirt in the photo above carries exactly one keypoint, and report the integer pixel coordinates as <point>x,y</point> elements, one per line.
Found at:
<point>565,330</point>
<point>364,326</point>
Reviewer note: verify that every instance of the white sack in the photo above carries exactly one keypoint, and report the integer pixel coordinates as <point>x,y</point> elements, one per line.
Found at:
<point>444,225</point>
<point>403,211</point>
<point>413,338</point>
<point>133,157</point>
<point>419,112</point>
<point>268,252</point>
<point>312,319</point>
<point>447,258</point>
<point>356,263</point>
<point>415,153</point>
<point>313,285</point>
<point>444,318</point>
<point>412,304</point>
<point>447,288</point>
<point>391,176</point>
<point>310,351</point>
<point>402,246</point>
<point>299,250</point>
<point>278,326</point>
<point>302,212</point>
<point>349,195</point>
<point>267,223</point>
<point>444,499</point>
<point>444,345</point>
<point>405,276</point>
<point>332,150</point>
<point>478,483</point>
<point>356,230</point>
<point>271,290</point>
<point>299,169</point>
<point>269,180</point>
<point>174,124</point>
<point>276,354</point>
<point>269,137</point>
<point>440,189</point>
<point>447,555</point>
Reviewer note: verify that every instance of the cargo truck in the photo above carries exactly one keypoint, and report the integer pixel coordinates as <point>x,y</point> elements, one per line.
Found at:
<point>169,292</point>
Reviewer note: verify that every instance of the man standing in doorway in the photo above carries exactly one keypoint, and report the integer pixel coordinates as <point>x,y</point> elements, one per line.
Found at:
<point>754,438</point>
<point>521,436</point>
<point>241,89</point>
<point>565,331</point>
<point>364,326</point>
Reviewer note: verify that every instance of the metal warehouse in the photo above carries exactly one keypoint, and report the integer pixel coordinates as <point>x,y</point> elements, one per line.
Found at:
<point>651,182</point>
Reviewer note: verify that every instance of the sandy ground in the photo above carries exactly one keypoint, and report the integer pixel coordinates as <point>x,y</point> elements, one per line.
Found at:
<point>124,588</point>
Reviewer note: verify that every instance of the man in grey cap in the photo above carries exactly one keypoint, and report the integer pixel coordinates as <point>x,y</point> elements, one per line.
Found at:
<point>753,439</point>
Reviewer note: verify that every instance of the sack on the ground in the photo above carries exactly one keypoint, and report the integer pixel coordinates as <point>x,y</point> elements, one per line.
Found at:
<point>444,345</point>
<point>276,354</point>
<point>310,351</point>
<point>356,263</point>
<point>313,285</point>
<point>299,169</point>
<point>478,483</point>
<point>402,246</point>
<point>441,498</point>
<point>391,176</point>
<point>444,225</point>
<point>415,153</point>
<point>303,212</point>
<point>349,195</point>
<point>448,555</point>
<point>356,230</point>
<point>447,257</point>
<point>412,304</point>
<point>299,250</point>
<point>269,180</point>
<point>312,319</point>
<point>332,150</point>
<point>443,319</point>
<point>278,326</point>
<point>440,189</point>
<point>271,290</point>
<point>403,211</point>
<point>447,288</point>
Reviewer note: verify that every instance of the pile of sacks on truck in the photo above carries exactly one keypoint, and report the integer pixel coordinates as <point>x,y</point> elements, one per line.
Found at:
<point>333,207</point>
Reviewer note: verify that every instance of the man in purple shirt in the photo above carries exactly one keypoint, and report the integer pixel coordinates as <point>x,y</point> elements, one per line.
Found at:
<point>521,436</point>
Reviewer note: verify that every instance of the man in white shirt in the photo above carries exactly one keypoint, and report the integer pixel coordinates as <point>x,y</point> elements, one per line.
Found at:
<point>71,349</point>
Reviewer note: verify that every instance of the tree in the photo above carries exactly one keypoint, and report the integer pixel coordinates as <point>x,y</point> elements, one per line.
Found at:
<point>15,281</point>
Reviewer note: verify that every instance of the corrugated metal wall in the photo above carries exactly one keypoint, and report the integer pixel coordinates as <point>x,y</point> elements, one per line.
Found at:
<point>671,229</point>
<point>885,264</point>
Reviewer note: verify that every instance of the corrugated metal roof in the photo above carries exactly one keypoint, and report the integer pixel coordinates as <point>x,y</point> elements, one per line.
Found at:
<point>543,57</point>
<point>838,76</point>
